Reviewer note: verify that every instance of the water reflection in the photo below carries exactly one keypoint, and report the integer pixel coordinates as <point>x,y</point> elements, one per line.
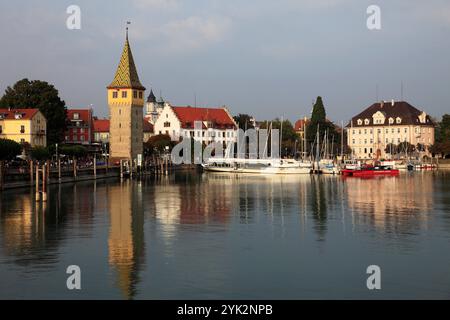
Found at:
<point>126,235</point>
<point>215,217</point>
<point>392,205</point>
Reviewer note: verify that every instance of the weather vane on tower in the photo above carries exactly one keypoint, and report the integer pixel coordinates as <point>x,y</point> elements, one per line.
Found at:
<point>128,23</point>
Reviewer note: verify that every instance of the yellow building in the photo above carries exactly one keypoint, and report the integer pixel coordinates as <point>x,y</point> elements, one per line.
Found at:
<point>126,103</point>
<point>23,125</point>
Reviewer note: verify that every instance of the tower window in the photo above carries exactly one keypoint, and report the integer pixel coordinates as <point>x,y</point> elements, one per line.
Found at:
<point>140,95</point>
<point>115,95</point>
<point>124,94</point>
<point>135,94</point>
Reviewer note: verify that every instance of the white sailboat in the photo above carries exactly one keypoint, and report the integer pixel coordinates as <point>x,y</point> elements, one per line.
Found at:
<point>277,165</point>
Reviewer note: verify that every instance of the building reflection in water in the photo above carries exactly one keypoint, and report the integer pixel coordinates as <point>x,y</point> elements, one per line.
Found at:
<point>393,205</point>
<point>126,235</point>
<point>32,232</point>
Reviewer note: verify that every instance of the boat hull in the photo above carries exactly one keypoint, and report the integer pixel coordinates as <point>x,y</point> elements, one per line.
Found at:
<point>269,170</point>
<point>368,173</point>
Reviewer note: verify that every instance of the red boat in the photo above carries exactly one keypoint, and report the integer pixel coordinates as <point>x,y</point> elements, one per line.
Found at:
<point>370,171</point>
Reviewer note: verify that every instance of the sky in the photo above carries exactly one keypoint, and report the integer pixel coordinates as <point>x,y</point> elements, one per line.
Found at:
<point>262,57</point>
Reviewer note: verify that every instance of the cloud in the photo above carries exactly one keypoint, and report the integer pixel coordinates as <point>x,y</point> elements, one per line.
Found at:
<point>157,4</point>
<point>283,51</point>
<point>195,32</point>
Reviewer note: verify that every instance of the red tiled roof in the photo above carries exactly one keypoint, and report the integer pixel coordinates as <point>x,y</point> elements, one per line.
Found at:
<point>299,125</point>
<point>25,113</point>
<point>101,125</point>
<point>219,117</point>
<point>147,126</point>
<point>84,114</point>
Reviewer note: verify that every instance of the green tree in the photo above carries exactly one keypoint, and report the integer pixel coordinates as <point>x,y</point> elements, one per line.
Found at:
<point>38,94</point>
<point>319,120</point>
<point>441,148</point>
<point>288,135</point>
<point>74,151</point>
<point>391,148</point>
<point>442,132</point>
<point>318,114</point>
<point>244,121</point>
<point>40,153</point>
<point>9,150</point>
<point>406,147</point>
<point>158,143</point>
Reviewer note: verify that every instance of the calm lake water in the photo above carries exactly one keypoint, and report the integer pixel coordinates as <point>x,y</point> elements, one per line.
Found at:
<point>208,236</point>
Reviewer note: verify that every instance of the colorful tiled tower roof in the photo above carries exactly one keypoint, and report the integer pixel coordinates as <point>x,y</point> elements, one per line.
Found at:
<point>126,75</point>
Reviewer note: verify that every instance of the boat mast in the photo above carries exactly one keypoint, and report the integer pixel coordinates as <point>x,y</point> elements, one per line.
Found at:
<point>281,137</point>
<point>342,140</point>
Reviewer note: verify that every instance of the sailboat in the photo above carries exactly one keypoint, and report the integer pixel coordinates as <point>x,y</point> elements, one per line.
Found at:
<point>277,165</point>
<point>326,163</point>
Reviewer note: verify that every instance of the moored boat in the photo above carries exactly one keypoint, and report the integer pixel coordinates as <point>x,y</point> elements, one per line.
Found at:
<point>260,166</point>
<point>370,171</point>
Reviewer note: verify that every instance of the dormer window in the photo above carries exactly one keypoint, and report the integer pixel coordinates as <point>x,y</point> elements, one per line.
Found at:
<point>366,121</point>
<point>18,116</point>
<point>76,116</point>
<point>391,120</point>
<point>359,122</point>
<point>398,120</point>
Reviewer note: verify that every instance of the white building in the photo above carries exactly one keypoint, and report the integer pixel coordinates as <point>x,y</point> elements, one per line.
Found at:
<point>217,125</point>
<point>153,108</point>
<point>388,123</point>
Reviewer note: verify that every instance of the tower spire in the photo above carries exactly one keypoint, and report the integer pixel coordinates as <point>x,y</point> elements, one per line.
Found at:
<point>126,74</point>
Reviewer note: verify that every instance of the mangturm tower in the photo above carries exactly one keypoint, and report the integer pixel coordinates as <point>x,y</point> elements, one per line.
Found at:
<point>126,102</point>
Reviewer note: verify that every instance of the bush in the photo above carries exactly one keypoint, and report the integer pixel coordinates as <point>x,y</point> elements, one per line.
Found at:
<point>73,151</point>
<point>9,149</point>
<point>40,153</point>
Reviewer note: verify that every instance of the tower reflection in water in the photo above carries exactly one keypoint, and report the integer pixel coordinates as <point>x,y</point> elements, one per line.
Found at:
<point>126,235</point>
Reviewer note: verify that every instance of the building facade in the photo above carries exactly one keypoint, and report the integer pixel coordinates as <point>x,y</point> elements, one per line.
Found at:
<point>79,126</point>
<point>24,126</point>
<point>153,108</point>
<point>382,124</point>
<point>300,127</point>
<point>101,131</point>
<point>126,103</point>
<point>217,125</point>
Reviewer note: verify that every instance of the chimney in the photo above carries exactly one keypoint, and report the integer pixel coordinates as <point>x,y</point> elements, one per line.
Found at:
<point>392,102</point>
<point>382,104</point>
